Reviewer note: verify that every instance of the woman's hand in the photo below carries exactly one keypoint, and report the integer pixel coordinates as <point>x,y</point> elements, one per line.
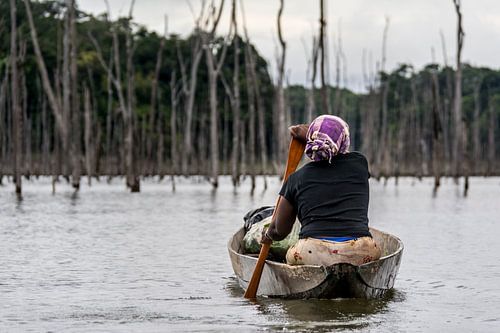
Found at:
<point>265,239</point>
<point>299,132</point>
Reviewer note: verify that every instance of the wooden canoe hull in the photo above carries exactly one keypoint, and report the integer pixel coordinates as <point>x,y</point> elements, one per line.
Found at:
<point>371,280</point>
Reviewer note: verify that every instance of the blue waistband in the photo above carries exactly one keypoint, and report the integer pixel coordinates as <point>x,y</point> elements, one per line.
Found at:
<point>337,239</point>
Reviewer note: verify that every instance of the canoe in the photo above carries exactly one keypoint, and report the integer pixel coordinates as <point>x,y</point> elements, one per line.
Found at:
<point>370,280</point>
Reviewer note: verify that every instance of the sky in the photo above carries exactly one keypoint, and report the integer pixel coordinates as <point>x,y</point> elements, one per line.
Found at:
<point>414,29</point>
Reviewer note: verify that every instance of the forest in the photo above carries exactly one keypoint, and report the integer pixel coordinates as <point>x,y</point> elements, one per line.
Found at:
<point>84,95</point>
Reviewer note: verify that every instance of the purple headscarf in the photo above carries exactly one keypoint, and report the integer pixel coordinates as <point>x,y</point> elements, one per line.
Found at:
<point>327,136</point>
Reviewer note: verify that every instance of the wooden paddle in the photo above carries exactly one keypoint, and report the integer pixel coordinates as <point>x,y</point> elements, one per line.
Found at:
<point>295,152</point>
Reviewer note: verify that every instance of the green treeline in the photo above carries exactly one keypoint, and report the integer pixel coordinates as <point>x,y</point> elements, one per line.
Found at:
<point>132,110</point>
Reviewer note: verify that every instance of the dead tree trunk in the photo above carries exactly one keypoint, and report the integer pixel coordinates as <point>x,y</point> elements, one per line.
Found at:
<point>4,124</point>
<point>126,105</point>
<point>66,87</point>
<point>88,134</point>
<point>251,115</point>
<point>75,105</point>
<point>95,127</point>
<point>26,121</point>
<point>252,91</point>
<point>457,105</point>
<point>37,166</point>
<point>109,110</point>
<point>225,138</point>
<point>325,96</point>
<point>154,93</point>
<point>402,129</point>
<point>2,119</point>
<point>312,71</point>
<point>281,107</point>
<point>415,130</point>
<point>45,137</point>
<point>214,67</point>
<point>141,139</point>
<point>448,97</point>
<point>56,162</point>
<point>345,102</point>
<point>383,152</point>
<point>476,142</point>
<point>437,131</point>
<point>466,164</point>
<point>189,90</point>
<point>234,96</point>
<point>9,122</point>
<point>235,169</point>
<point>338,60</point>
<point>16,107</point>
<point>214,140</point>
<point>174,100</point>
<point>254,81</point>
<point>491,137</point>
<point>261,125</point>
<point>160,124</point>
<point>243,149</point>
<point>96,143</point>
<point>365,110</point>
<point>130,162</point>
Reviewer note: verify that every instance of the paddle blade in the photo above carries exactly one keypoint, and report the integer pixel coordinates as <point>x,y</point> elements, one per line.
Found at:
<point>253,285</point>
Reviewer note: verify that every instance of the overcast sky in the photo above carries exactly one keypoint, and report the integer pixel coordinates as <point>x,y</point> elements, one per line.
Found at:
<point>414,28</point>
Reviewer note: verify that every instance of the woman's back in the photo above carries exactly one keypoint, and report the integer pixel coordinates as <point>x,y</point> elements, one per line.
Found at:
<point>331,199</point>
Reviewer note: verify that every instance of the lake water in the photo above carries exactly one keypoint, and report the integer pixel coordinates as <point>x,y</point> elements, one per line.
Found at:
<point>105,260</point>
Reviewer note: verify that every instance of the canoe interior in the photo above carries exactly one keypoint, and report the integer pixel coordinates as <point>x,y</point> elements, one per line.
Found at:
<point>370,280</point>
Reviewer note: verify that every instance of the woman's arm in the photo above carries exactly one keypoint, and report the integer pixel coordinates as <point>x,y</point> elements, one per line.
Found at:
<point>282,223</point>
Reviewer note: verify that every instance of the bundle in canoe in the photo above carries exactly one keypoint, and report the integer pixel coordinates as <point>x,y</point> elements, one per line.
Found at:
<point>370,280</point>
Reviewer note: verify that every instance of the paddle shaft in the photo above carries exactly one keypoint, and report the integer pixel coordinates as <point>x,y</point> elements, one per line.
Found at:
<point>295,152</point>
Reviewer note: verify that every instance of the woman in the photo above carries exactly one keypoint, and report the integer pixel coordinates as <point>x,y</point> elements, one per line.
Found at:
<point>330,198</point>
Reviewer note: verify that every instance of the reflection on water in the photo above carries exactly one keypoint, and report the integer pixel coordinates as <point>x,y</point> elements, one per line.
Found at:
<point>107,260</point>
<point>320,314</point>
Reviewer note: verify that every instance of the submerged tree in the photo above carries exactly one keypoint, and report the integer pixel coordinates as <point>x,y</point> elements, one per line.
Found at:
<point>16,107</point>
<point>280,95</point>
<point>458,141</point>
<point>214,67</point>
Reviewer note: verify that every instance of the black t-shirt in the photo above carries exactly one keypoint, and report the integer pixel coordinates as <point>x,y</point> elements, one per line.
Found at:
<point>331,200</point>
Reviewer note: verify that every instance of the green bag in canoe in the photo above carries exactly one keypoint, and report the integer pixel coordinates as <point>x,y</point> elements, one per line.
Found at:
<point>278,249</point>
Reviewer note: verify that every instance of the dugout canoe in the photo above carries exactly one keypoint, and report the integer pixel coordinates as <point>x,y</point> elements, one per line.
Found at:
<point>370,280</point>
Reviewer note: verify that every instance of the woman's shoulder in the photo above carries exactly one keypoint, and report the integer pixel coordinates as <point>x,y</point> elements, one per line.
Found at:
<point>351,157</point>
<point>356,155</point>
<point>361,160</point>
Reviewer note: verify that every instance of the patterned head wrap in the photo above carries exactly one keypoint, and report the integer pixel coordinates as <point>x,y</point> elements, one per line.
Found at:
<point>327,136</point>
